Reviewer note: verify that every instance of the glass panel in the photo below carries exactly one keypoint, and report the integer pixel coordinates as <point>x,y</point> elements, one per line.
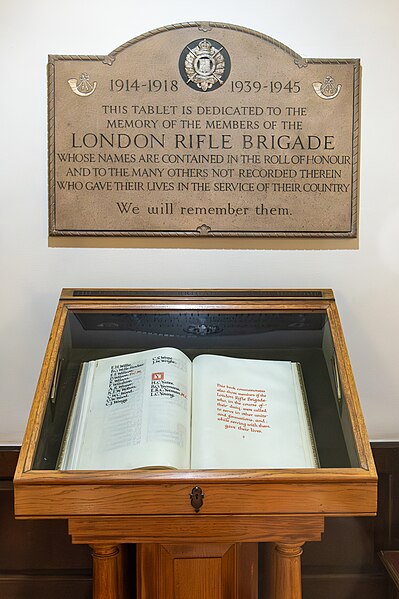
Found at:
<point>303,337</point>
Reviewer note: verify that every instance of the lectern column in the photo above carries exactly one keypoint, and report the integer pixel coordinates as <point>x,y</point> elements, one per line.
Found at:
<point>106,571</point>
<point>287,571</point>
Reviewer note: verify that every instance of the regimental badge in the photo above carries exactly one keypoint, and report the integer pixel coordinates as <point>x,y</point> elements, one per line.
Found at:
<point>82,87</point>
<point>328,90</point>
<point>204,65</point>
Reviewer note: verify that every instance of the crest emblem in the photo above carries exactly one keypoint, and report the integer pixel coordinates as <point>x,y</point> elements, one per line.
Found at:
<point>328,90</point>
<point>83,87</point>
<point>204,65</point>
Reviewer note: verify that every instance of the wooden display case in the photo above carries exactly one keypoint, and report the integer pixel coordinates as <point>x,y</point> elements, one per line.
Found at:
<point>212,553</point>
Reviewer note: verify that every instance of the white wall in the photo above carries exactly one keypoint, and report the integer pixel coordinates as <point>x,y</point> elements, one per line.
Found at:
<point>365,281</point>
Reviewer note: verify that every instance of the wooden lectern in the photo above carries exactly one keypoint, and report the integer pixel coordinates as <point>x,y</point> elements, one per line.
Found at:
<point>197,531</point>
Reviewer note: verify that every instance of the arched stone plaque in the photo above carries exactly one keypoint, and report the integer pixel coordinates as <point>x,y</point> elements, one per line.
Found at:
<point>203,130</point>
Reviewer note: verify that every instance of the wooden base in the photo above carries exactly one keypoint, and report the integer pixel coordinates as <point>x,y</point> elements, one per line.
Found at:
<point>333,568</point>
<point>208,557</point>
<point>198,571</point>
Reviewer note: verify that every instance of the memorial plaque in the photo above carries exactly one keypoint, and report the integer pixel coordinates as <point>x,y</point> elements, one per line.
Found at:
<point>203,130</point>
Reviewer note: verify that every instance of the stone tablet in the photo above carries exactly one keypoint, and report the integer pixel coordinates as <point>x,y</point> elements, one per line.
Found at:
<point>203,129</point>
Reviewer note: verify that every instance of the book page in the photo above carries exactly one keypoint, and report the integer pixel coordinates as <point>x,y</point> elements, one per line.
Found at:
<point>138,412</point>
<point>73,434</point>
<point>246,415</point>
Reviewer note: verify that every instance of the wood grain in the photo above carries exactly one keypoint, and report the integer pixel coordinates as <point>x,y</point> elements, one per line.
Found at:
<point>106,572</point>
<point>207,529</point>
<point>38,560</point>
<point>288,583</point>
<point>291,498</point>
<point>198,570</point>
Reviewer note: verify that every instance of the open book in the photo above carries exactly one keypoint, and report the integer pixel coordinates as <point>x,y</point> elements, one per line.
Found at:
<point>156,408</point>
